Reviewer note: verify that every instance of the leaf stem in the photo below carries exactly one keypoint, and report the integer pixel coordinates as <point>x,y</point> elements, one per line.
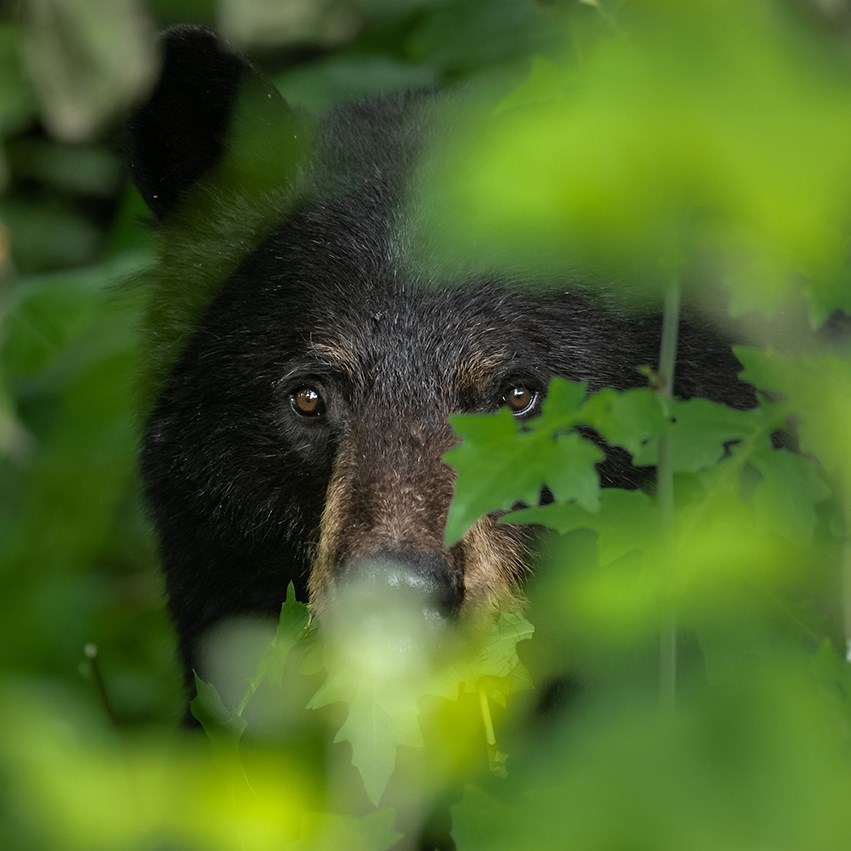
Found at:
<point>490,736</point>
<point>665,491</point>
<point>846,576</point>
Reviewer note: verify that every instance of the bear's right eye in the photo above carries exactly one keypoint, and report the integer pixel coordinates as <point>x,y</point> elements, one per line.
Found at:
<point>307,402</point>
<point>520,399</point>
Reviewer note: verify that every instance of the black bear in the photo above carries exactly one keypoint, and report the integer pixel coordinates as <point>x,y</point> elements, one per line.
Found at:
<point>300,371</point>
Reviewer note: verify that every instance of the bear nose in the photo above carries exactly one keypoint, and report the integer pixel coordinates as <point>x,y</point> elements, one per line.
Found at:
<point>415,579</point>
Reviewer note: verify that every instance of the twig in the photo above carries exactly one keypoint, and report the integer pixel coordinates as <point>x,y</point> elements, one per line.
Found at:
<point>91,653</point>
<point>665,491</point>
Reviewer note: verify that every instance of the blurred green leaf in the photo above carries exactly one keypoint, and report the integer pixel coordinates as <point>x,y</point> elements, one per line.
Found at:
<point>49,235</point>
<point>470,35</point>
<point>90,170</point>
<point>88,59</point>
<point>381,716</point>
<point>219,722</point>
<point>815,390</point>
<point>786,497</point>
<point>570,176</point>
<point>16,107</point>
<point>747,763</point>
<point>700,432</point>
<point>291,630</point>
<point>258,22</point>
<point>326,82</point>
<point>627,521</point>
<point>374,831</point>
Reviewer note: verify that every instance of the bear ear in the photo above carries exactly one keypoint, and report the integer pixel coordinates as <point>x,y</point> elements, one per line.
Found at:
<point>188,125</point>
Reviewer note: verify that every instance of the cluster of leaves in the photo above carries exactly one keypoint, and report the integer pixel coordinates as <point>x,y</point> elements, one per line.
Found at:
<point>382,680</point>
<point>746,511</point>
<point>723,456</point>
<point>678,141</point>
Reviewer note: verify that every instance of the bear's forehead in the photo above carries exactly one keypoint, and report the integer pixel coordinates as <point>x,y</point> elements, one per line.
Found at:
<point>425,338</point>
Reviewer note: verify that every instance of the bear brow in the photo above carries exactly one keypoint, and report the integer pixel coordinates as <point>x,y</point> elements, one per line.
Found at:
<point>476,369</point>
<point>336,354</point>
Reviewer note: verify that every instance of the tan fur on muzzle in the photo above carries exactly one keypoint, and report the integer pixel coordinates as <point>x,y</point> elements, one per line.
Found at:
<point>400,504</point>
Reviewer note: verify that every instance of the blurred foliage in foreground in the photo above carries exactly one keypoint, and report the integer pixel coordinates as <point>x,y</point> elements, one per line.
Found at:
<point>652,142</point>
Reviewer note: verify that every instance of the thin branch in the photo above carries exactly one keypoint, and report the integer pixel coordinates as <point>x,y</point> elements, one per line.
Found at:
<point>91,653</point>
<point>665,492</point>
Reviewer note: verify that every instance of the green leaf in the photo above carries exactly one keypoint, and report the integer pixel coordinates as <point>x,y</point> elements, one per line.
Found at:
<point>495,662</point>
<point>383,711</point>
<point>569,470</point>
<point>829,668</point>
<point>631,418</point>
<point>383,715</point>
<point>560,408</point>
<point>700,433</point>
<point>336,79</point>
<point>498,655</point>
<point>491,472</point>
<point>731,638</point>
<point>816,391</point>
<point>16,105</point>
<point>501,462</point>
<point>627,520</point>
<point>784,501</point>
<point>572,178</point>
<point>87,59</point>
<point>292,630</point>
<point>544,83</point>
<point>220,723</point>
<point>373,831</point>
<point>476,34</point>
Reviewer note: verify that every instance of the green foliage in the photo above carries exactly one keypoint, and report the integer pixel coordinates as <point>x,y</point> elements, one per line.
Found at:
<point>703,142</point>
<point>490,478</point>
<point>381,677</point>
<point>677,139</point>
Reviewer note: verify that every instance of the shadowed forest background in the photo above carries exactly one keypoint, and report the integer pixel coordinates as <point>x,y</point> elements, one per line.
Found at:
<point>732,175</point>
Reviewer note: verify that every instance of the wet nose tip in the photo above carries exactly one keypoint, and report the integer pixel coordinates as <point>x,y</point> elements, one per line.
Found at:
<point>422,579</point>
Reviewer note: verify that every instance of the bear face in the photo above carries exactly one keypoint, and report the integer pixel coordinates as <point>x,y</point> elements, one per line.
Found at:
<point>302,370</point>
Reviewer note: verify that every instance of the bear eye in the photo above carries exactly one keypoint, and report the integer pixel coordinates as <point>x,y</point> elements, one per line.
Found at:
<point>307,402</point>
<point>520,399</point>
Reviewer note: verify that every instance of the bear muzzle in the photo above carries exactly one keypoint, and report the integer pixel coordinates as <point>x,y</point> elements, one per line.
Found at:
<point>416,580</point>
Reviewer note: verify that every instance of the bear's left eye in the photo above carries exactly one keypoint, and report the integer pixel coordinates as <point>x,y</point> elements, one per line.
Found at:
<point>307,402</point>
<point>520,399</point>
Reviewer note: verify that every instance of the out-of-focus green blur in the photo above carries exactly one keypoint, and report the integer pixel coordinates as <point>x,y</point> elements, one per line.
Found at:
<point>632,141</point>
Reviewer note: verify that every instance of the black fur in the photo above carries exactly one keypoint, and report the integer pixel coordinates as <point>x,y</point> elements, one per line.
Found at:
<point>236,482</point>
<point>174,139</point>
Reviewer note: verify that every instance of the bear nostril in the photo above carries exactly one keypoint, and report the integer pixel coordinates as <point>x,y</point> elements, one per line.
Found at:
<point>412,578</point>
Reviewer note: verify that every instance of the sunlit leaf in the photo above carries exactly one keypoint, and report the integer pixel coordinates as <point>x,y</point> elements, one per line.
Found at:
<point>374,831</point>
<point>569,175</point>
<point>291,629</point>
